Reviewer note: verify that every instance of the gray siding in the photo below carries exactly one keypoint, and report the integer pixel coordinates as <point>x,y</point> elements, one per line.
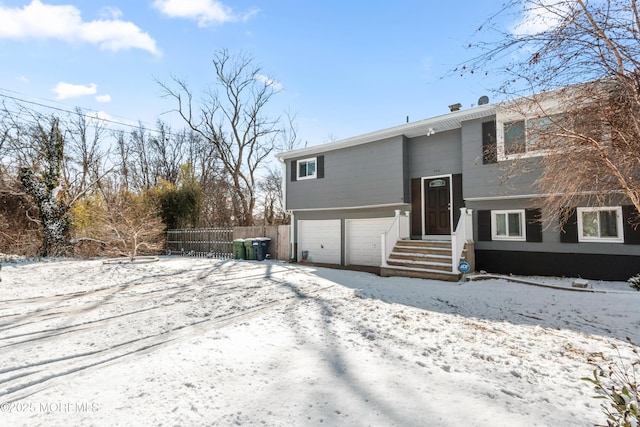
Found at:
<point>490,180</point>
<point>550,234</point>
<point>363,175</point>
<point>437,154</point>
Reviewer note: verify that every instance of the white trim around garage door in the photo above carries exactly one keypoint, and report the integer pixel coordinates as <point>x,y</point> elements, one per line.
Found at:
<point>321,239</point>
<point>362,240</point>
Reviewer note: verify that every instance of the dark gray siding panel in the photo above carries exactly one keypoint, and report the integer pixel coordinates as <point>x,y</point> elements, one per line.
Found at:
<point>320,166</point>
<point>588,266</point>
<point>569,230</point>
<point>534,224</point>
<point>363,175</point>
<point>489,143</point>
<point>484,225</point>
<point>458,200</point>
<point>416,207</point>
<point>630,225</point>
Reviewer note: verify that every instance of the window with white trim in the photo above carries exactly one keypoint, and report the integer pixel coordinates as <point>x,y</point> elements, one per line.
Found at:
<point>307,168</point>
<point>525,137</point>
<point>600,224</point>
<point>508,225</point>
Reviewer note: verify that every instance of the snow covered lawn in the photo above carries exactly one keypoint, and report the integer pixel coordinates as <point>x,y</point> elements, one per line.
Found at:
<point>191,342</point>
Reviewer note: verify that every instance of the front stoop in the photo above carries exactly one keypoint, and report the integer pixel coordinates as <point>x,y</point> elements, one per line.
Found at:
<point>421,259</point>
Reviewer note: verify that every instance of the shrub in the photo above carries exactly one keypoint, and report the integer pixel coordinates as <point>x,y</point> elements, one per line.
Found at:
<point>616,382</point>
<point>634,282</point>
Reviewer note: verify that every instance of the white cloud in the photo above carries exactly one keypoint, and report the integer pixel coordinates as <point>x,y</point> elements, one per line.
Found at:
<point>206,12</point>
<point>67,90</point>
<point>540,17</point>
<point>99,115</point>
<point>43,21</point>
<point>23,79</point>
<point>111,12</point>
<point>103,99</point>
<point>269,82</point>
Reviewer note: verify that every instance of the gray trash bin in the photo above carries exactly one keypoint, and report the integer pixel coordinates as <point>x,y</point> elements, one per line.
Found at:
<point>261,247</point>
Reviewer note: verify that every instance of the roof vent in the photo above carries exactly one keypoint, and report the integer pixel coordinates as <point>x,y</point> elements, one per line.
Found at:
<point>455,107</point>
<point>483,100</point>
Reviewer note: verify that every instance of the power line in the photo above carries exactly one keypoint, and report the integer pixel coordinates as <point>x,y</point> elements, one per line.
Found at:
<point>79,112</point>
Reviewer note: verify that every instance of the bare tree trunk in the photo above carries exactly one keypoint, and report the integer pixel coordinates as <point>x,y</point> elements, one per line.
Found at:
<point>46,189</point>
<point>233,121</point>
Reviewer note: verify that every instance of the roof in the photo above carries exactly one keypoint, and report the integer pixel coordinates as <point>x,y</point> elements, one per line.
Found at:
<point>428,126</point>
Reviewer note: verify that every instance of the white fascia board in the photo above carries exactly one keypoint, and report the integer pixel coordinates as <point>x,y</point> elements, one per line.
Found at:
<point>349,208</point>
<point>423,127</point>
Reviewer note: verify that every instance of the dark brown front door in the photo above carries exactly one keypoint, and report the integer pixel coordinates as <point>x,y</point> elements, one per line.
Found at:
<point>437,203</point>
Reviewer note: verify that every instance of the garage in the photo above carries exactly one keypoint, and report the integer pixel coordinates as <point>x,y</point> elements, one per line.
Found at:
<point>363,240</point>
<point>321,239</point>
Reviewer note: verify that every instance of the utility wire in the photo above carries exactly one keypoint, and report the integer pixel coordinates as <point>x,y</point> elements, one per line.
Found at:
<point>78,112</point>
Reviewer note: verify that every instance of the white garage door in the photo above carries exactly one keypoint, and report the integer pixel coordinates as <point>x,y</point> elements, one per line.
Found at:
<point>363,240</point>
<point>321,238</point>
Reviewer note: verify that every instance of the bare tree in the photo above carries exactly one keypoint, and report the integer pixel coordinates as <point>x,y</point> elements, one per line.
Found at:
<point>87,155</point>
<point>168,152</point>
<point>272,209</point>
<point>47,164</point>
<point>125,223</point>
<point>141,169</point>
<point>588,128</point>
<point>233,119</point>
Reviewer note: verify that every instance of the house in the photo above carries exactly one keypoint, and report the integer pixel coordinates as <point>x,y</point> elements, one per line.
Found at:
<point>417,199</point>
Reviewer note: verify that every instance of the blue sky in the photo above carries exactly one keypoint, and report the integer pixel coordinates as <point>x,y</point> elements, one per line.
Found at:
<point>345,67</point>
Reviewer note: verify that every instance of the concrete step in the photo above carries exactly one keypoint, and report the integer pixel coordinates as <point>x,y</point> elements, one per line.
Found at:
<point>419,273</point>
<point>425,243</point>
<point>426,250</point>
<point>410,256</point>
<point>427,259</point>
<point>436,266</point>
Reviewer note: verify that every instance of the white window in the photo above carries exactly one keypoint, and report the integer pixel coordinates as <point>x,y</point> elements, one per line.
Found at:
<point>508,225</point>
<point>514,138</point>
<point>600,225</point>
<point>526,137</point>
<point>307,168</point>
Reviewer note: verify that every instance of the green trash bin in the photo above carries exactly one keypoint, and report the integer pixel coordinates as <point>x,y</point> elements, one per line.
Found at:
<point>248,247</point>
<point>238,249</point>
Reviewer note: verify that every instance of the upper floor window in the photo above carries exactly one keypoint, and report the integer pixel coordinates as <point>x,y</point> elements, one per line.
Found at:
<point>527,137</point>
<point>307,168</point>
<point>310,168</point>
<point>508,225</point>
<point>602,224</point>
<point>514,138</point>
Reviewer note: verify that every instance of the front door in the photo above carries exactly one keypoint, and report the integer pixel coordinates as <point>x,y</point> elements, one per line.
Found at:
<point>437,205</point>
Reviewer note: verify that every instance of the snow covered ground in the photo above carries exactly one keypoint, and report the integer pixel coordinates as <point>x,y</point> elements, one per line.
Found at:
<point>196,342</point>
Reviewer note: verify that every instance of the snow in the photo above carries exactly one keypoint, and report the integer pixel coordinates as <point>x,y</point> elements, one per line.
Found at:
<point>194,341</point>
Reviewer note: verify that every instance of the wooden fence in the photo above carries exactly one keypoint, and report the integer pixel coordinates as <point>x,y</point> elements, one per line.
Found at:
<point>279,235</point>
<point>211,242</point>
<point>218,242</point>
